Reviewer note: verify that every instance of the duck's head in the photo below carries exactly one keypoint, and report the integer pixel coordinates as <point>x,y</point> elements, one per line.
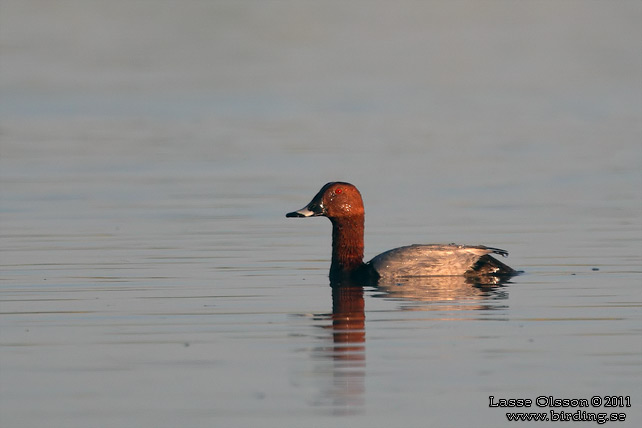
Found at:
<point>334,200</point>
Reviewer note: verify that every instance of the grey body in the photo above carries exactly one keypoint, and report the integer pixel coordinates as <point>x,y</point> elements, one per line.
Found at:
<point>434,260</point>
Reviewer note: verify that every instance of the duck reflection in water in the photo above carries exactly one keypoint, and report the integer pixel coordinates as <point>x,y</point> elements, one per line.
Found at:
<point>348,352</point>
<point>341,368</point>
<point>448,293</point>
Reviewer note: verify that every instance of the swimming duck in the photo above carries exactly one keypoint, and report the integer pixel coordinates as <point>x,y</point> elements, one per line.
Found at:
<point>341,202</point>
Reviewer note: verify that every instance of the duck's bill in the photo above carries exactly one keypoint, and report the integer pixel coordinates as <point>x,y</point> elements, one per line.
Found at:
<point>303,212</point>
<point>313,209</point>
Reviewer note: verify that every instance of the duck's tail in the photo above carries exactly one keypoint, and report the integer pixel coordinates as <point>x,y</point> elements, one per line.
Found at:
<point>487,265</point>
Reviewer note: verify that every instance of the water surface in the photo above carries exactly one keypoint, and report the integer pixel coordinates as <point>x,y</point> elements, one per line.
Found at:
<point>150,151</point>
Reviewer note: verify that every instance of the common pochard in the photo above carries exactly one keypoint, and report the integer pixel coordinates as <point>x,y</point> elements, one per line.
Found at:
<point>341,202</point>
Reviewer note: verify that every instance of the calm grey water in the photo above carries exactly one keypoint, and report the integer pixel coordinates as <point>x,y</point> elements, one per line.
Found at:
<point>149,152</point>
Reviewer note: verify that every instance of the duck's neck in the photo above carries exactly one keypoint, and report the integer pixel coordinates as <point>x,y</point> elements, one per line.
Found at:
<point>347,244</point>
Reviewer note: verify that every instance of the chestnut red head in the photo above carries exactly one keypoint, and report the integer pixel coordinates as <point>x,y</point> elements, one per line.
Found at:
<point>335,199</point>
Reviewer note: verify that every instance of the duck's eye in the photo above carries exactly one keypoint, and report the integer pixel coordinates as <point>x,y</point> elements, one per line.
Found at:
<point>338,190</point>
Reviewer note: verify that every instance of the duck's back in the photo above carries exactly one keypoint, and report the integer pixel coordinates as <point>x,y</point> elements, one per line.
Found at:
<point>439,260</point>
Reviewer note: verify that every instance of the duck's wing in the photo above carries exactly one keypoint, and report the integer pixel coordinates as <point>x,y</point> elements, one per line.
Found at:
<point>439,260</point>
<point>489,250</point>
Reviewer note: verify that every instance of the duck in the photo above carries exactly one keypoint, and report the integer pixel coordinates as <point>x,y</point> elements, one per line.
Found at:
<point>342,204</point>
